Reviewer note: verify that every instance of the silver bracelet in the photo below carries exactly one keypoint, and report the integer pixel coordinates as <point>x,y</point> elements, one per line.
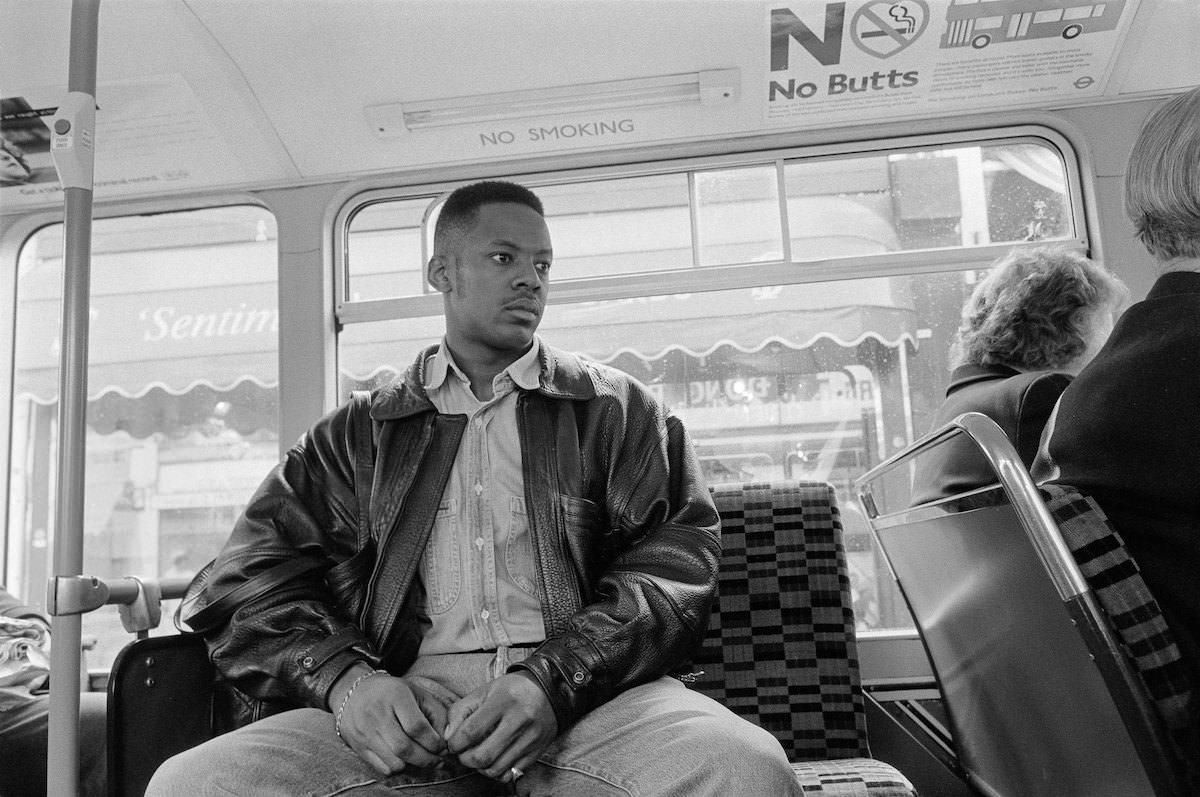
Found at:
<point>337,723</point>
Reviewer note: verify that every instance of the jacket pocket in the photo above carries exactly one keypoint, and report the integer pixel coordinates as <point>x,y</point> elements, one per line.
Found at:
<point>441,568</point>
<point>592,542</point>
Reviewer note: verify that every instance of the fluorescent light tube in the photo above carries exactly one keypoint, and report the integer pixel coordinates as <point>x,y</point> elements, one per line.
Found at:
<point>711,87</point>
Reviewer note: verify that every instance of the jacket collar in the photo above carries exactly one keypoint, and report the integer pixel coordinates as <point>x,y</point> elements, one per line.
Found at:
<point>1174,282</point>
<point>563,376</point>
<point>971,373</point>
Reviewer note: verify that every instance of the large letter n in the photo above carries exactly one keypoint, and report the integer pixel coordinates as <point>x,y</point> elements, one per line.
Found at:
<point>786,26</point>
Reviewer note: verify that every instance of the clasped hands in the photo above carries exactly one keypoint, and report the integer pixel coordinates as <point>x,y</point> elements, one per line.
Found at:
<point>392,723</point>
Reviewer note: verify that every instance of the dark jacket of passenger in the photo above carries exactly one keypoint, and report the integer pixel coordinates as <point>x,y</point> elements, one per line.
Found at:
<point>1019,402</point>
<point>624,529</point>
<point>1128,434</point>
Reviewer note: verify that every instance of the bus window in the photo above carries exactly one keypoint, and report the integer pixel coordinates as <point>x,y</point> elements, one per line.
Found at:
<point>182,413</point>
<point>652,214</point>
<point>385,254</point>
<point>737,215</point>
<point>797,315</point>
<point>387,251</point>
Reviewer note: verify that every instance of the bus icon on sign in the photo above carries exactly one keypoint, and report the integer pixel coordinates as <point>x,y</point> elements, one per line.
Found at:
<point>978,23</point>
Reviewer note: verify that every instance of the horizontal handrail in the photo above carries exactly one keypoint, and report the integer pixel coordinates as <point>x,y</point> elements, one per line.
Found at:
<point>138,600</point>
<point>125,590</point>
<point>81,594</point>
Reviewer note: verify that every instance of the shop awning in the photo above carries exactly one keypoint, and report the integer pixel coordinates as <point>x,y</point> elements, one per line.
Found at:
<point>175,342</point>
<point>652,338</point>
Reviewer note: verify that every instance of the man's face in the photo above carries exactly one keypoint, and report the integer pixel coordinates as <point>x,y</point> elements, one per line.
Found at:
<point>495,281</point>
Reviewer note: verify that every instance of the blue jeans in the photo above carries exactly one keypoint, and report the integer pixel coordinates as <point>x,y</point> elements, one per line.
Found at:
<point>659,738</point>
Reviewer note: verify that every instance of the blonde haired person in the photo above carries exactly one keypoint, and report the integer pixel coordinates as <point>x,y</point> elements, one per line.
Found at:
<point>1127,430</point>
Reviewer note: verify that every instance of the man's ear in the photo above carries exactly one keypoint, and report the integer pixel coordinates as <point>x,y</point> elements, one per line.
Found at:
<point>437,272</point>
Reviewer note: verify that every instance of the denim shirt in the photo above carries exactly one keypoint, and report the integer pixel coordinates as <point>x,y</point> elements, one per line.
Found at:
<point>478,571</point>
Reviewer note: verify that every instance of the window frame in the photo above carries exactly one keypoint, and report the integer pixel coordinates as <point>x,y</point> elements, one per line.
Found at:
<point>16,232</point>
<point>741,275</point>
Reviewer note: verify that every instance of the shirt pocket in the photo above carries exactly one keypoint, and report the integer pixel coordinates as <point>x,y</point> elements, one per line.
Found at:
<point>441,568</point>
<point>518,551</point>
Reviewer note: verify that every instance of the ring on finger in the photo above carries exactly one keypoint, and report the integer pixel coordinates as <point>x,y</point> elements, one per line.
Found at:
<point>516,773</point>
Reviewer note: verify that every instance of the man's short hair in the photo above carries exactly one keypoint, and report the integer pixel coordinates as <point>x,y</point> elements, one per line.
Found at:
<point>1162,183</point>
<point>461,208</point>
<point>1033,309</point>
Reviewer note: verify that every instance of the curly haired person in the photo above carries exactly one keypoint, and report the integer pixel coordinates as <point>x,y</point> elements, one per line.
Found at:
<point>1035,321</point>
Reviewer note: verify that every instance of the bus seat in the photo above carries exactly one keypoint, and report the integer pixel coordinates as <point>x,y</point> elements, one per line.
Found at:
<point>1042,691</point>
<point>160,702</point>
<point>780,649</point>
<point>1135,616</point>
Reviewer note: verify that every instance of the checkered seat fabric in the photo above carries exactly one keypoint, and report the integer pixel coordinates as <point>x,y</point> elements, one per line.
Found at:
<point>1114,577</point>
<point>780,649</point>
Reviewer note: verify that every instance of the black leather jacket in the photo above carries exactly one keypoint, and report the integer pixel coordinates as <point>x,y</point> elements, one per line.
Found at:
<point>625,534</point>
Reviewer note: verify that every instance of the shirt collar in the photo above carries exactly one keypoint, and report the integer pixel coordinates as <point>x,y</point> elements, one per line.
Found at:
<point>525,371</point>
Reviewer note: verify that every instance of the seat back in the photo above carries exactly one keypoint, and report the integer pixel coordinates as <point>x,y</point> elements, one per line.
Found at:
<point>160,694</point>
<point>1041,694</point>
<point>780,648</point>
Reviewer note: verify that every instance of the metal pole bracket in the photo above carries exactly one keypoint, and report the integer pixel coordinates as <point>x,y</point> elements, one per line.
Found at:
<point>67,595</point>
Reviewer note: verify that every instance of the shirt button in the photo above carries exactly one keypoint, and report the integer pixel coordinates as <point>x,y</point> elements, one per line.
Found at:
<point>485,614</point>
<point>478,489</point>
<point>479,542</point>
<point>578,677</point>
<point>308,661</point>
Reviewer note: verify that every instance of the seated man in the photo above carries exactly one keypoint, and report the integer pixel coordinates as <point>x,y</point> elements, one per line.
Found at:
<point>540,555</point>
<point>25,711</point>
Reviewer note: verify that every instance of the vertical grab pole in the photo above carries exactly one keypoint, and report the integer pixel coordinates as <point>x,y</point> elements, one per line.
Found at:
<point>73,150</point>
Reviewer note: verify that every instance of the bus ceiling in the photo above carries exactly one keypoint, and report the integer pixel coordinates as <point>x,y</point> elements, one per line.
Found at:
<point>203,95</point>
